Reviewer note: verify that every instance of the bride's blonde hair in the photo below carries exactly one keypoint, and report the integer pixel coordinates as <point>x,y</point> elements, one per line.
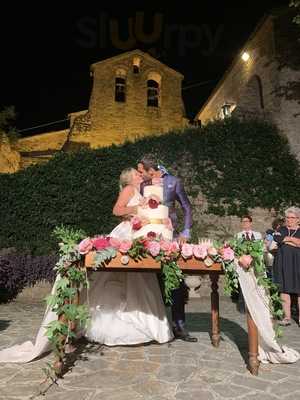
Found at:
<point>125,177</point>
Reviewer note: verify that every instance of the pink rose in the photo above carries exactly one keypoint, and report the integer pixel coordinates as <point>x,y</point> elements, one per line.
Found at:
<point>85,246</point>
<point>228,254</point>
<point>245,261</point>
<point>154,248</point>
<point>165,246</point>
<point>114,242</point>
<point>125,246</point>
<point>101,243</point>
<point>174,247</point>
<point>212,251</point>
<point>187,250</point>
<point>200,251</point>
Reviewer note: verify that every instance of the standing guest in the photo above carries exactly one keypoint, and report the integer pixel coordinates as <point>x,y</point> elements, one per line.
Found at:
<point>287,262</point>
<point>271,246</point>
<point>247,233</point>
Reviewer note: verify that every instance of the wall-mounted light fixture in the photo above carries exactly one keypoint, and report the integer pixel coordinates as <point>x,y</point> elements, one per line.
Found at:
<point>245,56</point>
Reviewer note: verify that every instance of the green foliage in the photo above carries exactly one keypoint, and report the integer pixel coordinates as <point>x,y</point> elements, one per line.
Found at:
<point>296,4</point>
<point>7,118</point>
<point>171,278</point>
<point>103,256</point>
<point>236,164</point>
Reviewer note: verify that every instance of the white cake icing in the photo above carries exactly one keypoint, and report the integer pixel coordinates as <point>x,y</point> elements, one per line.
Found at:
<point>156,190</point>
<point>155,216</point>
<point>161,212</point>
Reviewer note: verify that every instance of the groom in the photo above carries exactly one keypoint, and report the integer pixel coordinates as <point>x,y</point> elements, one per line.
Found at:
<point>173,191</point>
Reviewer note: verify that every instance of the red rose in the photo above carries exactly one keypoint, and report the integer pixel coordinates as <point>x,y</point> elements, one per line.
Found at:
<point>153,203</point>
<point>151,235</point>
<point>136,223</point>
<point>101,243</point>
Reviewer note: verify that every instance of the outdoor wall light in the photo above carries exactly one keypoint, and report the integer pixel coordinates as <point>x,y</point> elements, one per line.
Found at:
<point>245,56</point>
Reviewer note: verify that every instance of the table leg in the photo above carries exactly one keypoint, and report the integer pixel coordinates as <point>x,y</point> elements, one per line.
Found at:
<point>253,363</point>
<point>215,322</point>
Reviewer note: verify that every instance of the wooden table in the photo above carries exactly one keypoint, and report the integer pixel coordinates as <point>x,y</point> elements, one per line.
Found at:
<point>195,267</point>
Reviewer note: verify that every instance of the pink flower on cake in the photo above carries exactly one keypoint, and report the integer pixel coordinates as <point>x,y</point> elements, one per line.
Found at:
<point>187,250</point>
<point>85,245</point>
<point>115,243</point>
<point>245,261</point>
<point>125,246</point>
<point>228,254</point>
<point>200,251</point>
<point>154,248</point>
<point>101,243</point>
<point>136,223</point>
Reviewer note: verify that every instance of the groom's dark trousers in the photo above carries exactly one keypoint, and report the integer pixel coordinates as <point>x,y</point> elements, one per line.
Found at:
<point>173,191</point>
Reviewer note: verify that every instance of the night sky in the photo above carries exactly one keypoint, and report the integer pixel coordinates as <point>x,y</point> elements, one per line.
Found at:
<point>46,54</point>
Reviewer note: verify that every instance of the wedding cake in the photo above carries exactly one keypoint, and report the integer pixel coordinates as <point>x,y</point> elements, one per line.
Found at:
<point>155,213</point>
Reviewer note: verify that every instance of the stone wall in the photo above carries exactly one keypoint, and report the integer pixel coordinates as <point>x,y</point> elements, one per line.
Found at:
<point>236,87</point>
<point>9,158</point>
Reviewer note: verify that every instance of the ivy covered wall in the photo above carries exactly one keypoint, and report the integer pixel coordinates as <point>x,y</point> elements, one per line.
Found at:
<point>231,165</point>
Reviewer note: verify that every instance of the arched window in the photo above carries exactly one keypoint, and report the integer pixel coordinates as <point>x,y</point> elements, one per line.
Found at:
<point>152,93</point>
<point>120,90</point>
<point>136,64</point>
<point>120,86</point>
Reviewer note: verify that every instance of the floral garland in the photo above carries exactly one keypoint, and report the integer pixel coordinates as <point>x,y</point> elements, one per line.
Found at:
<point>249,254</point>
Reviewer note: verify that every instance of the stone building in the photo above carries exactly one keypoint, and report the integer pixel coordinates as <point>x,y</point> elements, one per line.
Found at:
<point>263,79</point>
<point>133,95</point>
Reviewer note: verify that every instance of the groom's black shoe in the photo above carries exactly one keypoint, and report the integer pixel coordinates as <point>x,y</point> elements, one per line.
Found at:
<point>183,334</point>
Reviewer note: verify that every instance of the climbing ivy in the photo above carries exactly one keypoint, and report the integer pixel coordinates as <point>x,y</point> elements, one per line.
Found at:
<point>236,165</point>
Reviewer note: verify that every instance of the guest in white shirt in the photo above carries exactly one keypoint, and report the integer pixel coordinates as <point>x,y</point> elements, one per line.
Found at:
<point>247,232</point>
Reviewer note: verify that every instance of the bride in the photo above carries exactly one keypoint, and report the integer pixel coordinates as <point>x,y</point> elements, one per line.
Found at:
<point>126,307</point>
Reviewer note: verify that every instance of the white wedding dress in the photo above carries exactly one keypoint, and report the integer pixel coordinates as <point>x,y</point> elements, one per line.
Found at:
<point>126,308</point>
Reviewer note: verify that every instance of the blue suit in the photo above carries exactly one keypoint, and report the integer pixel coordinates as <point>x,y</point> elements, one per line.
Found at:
<point>174,191</point>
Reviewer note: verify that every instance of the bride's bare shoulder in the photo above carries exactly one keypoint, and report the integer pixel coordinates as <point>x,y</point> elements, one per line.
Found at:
<point>127,190</point>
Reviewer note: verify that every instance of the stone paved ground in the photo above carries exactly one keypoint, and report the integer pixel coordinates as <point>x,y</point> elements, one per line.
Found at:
<point>178,371</point>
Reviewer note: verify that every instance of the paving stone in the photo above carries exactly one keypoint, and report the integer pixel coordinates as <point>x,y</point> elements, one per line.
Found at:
<point>155,388</point>
<point>71,394</point>
<point>230,391</point>
<point>118,395</point>
<point>195,395</point>
<point>249,381</point>
<point>173,371</point>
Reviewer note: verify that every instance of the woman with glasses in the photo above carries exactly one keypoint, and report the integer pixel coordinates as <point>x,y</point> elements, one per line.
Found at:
<point>287,262</point>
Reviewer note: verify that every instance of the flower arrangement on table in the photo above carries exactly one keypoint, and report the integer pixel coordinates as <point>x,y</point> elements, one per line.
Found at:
<point>74,245</point>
